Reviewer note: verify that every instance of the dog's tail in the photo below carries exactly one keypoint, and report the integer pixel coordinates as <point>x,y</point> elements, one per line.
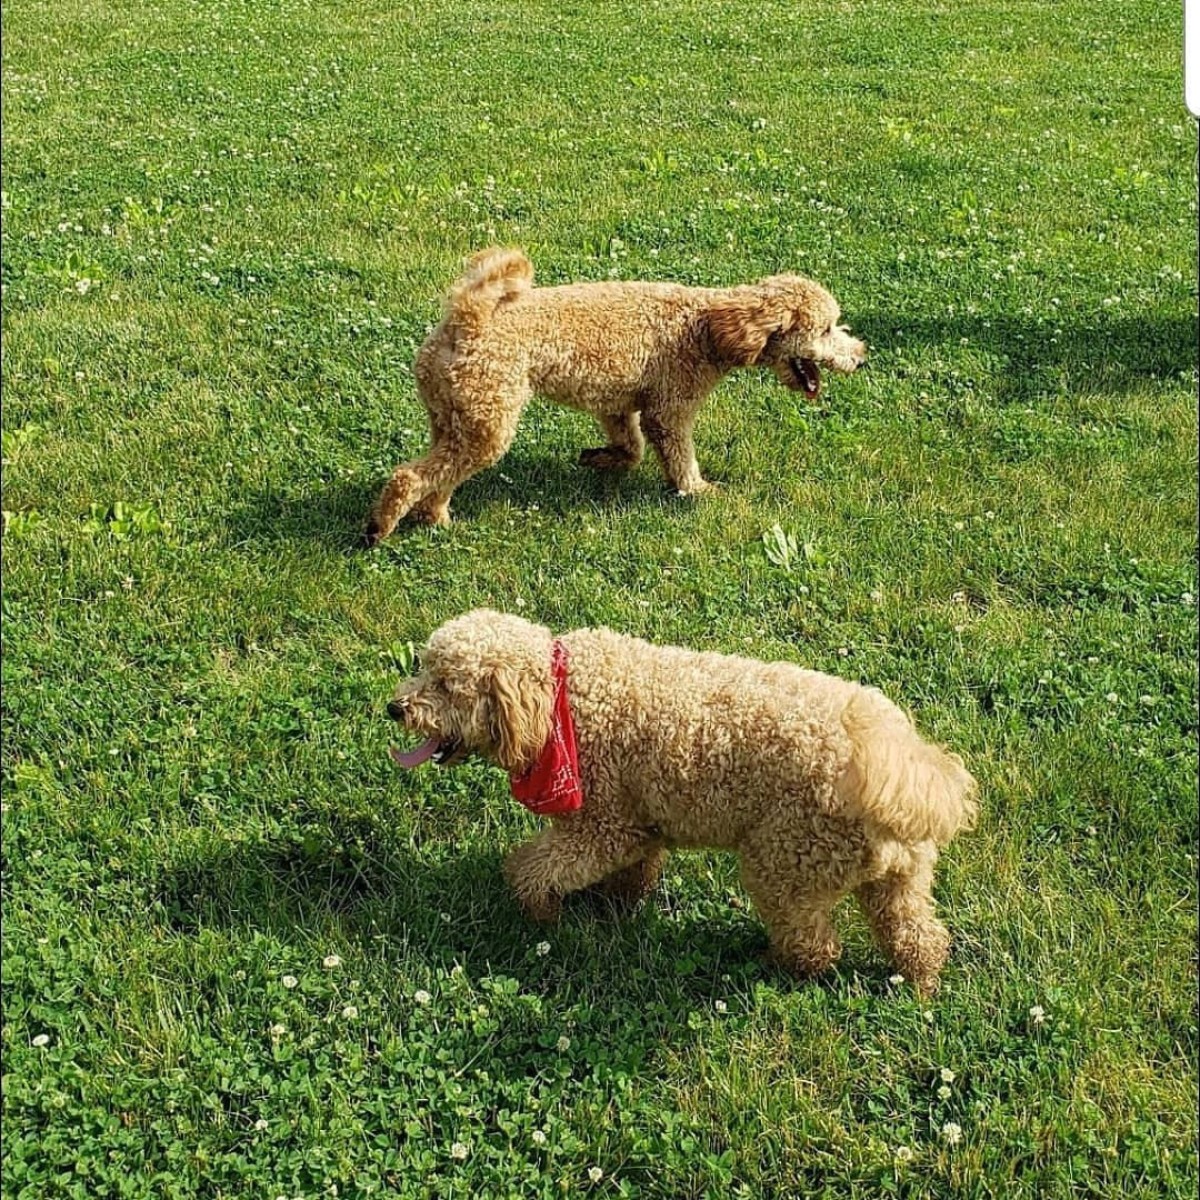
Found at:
<point>493,277</point>
<point>912,787</point>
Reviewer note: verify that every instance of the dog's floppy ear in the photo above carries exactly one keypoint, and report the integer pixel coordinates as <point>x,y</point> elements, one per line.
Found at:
<point>518,717</point>
<point>741,321</point>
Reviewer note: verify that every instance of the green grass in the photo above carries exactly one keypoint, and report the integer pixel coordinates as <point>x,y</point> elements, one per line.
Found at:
<point>226,227</point>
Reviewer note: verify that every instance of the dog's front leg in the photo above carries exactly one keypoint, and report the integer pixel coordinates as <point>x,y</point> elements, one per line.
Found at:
<point>571,855</point>
<point>672,441</point>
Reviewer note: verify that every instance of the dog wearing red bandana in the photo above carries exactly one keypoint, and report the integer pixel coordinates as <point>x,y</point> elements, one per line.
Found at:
<point>821,786</point>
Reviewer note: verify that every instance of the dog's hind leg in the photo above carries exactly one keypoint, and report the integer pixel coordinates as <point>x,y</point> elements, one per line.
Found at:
<point>571,855</point>
<point>405,489</point>
<point>803,939</point>
<point>795,889</point>
<point>434,509</point>
<point>899,908</point>
<point>625,444</point>
<point>463,445</point>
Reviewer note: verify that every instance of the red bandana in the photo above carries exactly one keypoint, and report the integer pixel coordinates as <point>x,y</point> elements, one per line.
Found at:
<point>552,785</point>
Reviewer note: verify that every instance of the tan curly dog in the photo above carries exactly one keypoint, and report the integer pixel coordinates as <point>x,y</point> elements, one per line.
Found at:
<point>822,786</point>
<point>640,357</point>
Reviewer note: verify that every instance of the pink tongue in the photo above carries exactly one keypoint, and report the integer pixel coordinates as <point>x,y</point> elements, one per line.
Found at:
<point>414,758</point>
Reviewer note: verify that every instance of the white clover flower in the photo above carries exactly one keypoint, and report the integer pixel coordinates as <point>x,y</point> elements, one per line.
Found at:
<point>277,1031</point>
<point>896,980</point>
<point>260,1124</point>
<point>539,1138</point>
<point>42,1039</point>
<point>1187,598</point>
<point>928,1015</point>
<point>460,1151</point>
<point>421,996</point>
<point>952,1133</point>
<point>960,526</point>
<point>289,981</point>
<point>947,1075</point>
<point>543,948</point>
<point>720,1006</point>
<point>330,961</point>
<point>945,1092</point>
<point>563,1044</point>
<point>349,1012</point>
<point>1112,697</point>
<point>1037,1015</point>
<point>595,1174</point>
<point>903,1154</point>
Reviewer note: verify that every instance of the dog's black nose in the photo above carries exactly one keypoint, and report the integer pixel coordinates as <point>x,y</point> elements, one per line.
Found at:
<point>395,710</point>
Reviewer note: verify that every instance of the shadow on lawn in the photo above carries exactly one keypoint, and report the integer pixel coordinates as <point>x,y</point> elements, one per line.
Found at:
<point>457,910</point>
<point>1108,353</point>
<point>335,512</point>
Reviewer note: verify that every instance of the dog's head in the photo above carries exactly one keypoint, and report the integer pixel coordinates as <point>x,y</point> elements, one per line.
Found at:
<point>484,687</point>
<point>787,323</point>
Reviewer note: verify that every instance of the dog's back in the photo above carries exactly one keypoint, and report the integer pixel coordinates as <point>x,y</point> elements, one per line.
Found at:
<point>592,345</point>
<point>709,740</point>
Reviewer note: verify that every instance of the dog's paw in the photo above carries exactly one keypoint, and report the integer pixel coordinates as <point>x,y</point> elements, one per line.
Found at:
<point>434,515</point>
<point>704,488</point>
<point>605,458</point>
<point>628,887</point>
<point>372,536</point>
<point>545,909</point>
<point>926,986</point>
<point>804,964</point>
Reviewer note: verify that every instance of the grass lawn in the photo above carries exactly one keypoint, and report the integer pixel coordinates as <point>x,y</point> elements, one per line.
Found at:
<point>243,955</point>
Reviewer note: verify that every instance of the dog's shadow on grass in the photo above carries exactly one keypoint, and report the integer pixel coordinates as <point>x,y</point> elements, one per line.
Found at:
<point>451,907</point>
<point>1108,353</point>
<point>557,484</point>
<point>334,512</point>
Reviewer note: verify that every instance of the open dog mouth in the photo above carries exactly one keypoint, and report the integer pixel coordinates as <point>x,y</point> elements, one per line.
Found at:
<point>807,375</point>
<point>442,751</point>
